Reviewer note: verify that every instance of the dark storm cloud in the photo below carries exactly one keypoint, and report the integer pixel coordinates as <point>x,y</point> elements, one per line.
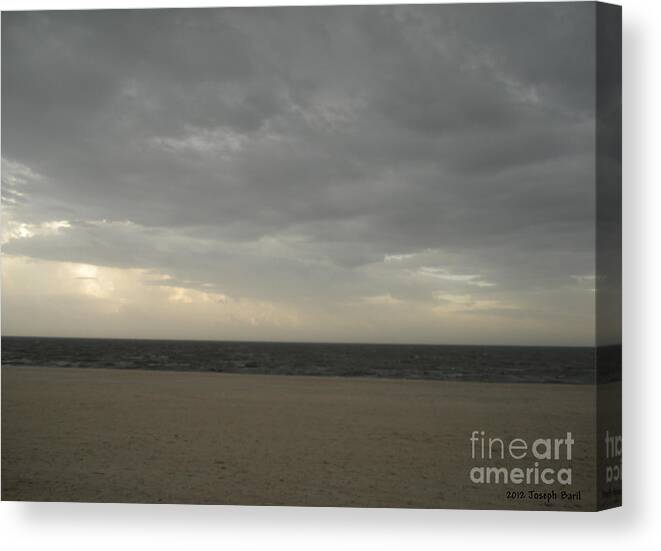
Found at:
<point>300,146</point>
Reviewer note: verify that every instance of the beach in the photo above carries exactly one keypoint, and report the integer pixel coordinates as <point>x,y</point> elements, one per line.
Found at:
<point>110,435</point>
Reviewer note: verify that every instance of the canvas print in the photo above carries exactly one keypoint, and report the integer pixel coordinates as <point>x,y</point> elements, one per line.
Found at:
<point>362,256</point>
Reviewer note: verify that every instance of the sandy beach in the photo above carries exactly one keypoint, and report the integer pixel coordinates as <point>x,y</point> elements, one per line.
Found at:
<point>183,437</point>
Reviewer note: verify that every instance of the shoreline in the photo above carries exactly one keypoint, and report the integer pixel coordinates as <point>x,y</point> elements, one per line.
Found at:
<point>311,376</point>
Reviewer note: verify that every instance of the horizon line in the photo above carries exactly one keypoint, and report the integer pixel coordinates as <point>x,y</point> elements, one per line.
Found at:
<point>367,343</point>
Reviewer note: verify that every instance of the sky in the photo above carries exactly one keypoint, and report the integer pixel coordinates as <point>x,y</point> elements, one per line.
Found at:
<point>419,174</point>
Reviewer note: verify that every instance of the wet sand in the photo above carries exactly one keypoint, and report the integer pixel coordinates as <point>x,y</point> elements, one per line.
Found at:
<point>145,436</point>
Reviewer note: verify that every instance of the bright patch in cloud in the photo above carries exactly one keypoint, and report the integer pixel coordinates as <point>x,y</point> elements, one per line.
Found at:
<point>442,273</point>
<point>386,299</point>
<point>18,230</point>
<point>466,302</point>
<point>397,257</point>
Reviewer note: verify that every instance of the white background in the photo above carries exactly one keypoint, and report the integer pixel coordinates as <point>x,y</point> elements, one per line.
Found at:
<point>637,524</point>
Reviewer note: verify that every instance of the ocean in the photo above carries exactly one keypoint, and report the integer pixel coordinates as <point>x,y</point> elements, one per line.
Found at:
<point>525,364</point>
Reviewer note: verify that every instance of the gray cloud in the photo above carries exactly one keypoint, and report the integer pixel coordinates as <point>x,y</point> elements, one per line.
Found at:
<point>285,153</point>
